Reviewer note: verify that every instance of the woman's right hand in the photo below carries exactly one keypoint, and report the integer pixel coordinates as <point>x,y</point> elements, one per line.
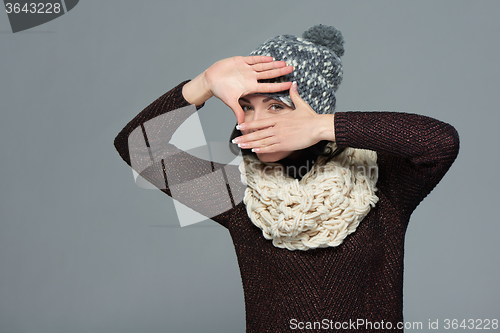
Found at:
<point>231,78</point>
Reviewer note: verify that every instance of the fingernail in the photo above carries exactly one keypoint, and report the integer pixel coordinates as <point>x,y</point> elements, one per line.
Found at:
<point>238,127</point>
<point>242,126</point>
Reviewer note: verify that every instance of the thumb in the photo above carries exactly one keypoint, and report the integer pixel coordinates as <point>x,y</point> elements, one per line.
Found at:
<point>238,112</point>
<point>298,101</point>
<point>294,95</point>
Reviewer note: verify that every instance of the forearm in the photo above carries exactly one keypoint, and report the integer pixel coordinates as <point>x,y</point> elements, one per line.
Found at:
<point>414,152</point>
<point>419,138</point>
<point>169,101</point>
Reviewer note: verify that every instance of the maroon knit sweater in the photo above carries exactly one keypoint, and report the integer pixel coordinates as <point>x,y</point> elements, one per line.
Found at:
<point>343,288</point>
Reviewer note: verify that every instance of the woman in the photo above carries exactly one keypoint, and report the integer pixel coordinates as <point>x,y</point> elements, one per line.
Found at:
<point>319,206</point>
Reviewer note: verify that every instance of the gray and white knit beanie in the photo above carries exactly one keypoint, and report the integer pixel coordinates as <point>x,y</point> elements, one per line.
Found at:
<point>318,69</point>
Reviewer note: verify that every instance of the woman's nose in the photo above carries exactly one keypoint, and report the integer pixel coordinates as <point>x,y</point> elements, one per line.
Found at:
<point>251,116</point>
<point>258,114</point>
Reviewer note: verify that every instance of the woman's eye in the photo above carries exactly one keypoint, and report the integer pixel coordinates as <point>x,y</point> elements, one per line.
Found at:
<point>246,107</point>
<point>276,107</point>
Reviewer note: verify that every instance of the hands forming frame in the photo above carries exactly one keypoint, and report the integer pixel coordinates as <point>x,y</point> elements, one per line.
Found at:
<point>232,78</point>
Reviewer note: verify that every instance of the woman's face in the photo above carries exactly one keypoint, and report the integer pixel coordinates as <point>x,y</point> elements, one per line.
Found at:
<point>261,107</point>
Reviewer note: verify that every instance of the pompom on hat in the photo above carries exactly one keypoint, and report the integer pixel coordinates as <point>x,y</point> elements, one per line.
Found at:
<point>318,69</point>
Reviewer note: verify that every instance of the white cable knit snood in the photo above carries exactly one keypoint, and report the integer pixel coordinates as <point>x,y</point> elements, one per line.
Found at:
<point>321,209</point>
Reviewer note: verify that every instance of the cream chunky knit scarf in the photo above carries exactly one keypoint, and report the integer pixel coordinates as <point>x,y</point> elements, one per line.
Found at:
<point>321,209</point>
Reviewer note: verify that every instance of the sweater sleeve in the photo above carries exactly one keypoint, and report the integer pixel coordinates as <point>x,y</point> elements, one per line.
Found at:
<point>414,151</point>
<point>211,189</point>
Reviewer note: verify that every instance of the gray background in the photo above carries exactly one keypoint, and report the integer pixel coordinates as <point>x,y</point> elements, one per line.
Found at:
<point>84,249</point>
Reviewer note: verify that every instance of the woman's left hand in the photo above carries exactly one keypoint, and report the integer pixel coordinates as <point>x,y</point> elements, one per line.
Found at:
<point>296,130</point>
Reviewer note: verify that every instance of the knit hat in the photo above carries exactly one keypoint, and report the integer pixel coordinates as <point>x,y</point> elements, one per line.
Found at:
<point>318,69</point>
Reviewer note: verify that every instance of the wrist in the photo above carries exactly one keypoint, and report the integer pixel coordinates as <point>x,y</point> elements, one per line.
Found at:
<point>197,91</point>
<point>326,130</point>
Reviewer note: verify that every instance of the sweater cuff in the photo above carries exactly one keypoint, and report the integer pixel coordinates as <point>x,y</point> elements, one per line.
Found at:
<point>340,128</point>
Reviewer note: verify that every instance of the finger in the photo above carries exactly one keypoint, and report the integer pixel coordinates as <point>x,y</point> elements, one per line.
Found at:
<point>252,60</point>
<point>298,101</point>
<point>294,94</point>
<point>269,149</point>
<point>261,143</point>
<point>272,73</point>
<point>272,87</point>
<point>258,125</point>
<point>265,66</point>
<point>254,136</point>
<point>238,112</point>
